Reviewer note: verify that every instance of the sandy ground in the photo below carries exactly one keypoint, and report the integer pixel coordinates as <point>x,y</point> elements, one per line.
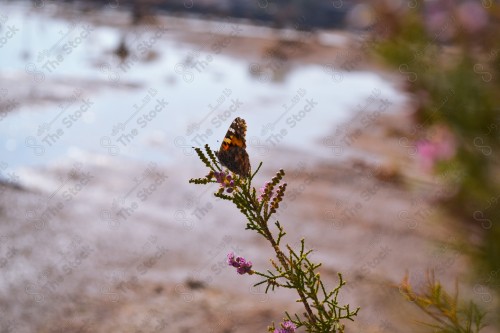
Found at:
<point>159,265</point>
<point>161,269</point>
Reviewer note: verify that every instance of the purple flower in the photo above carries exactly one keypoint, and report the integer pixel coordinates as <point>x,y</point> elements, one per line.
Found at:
<point>225,181</point>
<point>242,266</point>
<point>263,195</point>
<point>287,327</point>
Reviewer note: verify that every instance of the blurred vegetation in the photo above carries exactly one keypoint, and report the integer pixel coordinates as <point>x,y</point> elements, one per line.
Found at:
<point>447,314</point>
<point>448,52</point>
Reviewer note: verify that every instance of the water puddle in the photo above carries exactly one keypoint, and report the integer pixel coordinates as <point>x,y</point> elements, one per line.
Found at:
<point>164,98</point>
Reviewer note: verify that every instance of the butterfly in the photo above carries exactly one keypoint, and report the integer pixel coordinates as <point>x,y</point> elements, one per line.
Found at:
<point>232,153</point>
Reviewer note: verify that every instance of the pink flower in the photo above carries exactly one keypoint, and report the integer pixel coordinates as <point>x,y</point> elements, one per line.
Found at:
<point>439,19</point>
<point>287,327</point>
<point>440,147</point>
<point>427,153</point>
<point>263,195</point>
<point>472,16</point>
<point>242,266</point>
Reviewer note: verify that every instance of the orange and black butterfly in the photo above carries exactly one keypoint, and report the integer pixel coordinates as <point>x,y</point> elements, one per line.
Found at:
<point>232,153</point>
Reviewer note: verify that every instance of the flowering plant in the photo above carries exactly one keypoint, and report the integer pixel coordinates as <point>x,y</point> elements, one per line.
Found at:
<point>293,269</point>
<point>447,52</point>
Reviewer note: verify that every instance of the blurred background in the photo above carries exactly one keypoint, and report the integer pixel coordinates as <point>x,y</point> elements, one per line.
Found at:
<point>384,114</point>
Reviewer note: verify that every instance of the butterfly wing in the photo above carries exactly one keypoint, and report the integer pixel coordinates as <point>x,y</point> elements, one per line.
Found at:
<point>232,153</point>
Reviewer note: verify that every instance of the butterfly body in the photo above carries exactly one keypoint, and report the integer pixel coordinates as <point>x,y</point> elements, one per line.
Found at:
<point>232,153</point>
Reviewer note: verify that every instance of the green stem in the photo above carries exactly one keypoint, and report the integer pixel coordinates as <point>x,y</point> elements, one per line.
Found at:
<point>281,257</point>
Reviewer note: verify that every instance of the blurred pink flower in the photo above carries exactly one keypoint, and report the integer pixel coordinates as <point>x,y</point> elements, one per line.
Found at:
<point>439,19</point>
<point>440,147</point>
<point>472,16</point>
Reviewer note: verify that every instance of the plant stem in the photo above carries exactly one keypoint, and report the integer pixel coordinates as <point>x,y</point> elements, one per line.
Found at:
<point>279,254</point>
<point>283,260</point>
